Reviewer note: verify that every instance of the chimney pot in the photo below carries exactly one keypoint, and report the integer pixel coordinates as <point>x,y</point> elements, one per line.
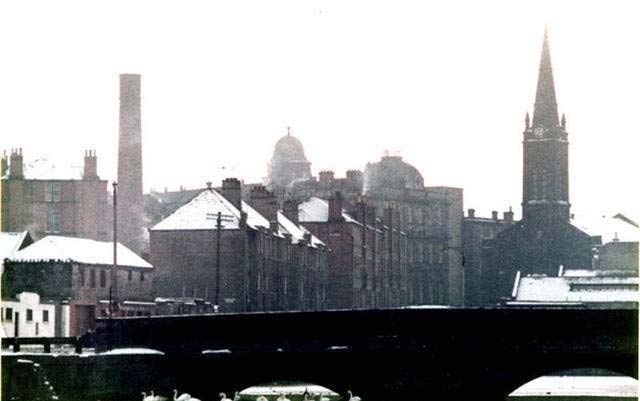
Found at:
<point>494,215</point>
<point>471,213</point>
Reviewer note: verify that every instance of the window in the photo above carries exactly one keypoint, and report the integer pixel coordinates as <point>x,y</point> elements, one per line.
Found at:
<point>103,278</point>
<point>8,314</point>
<point>130,275</point>
<point>52,223</point>
<point>93,278</point>
<point>52,191</point>
<point>141,276</point>
<point>45,316</point>
<point>29,315</point>
<point>82,280</point>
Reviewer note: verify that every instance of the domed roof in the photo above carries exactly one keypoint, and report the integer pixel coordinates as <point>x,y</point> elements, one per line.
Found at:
<point>391,172</point>
<point>288,149</point>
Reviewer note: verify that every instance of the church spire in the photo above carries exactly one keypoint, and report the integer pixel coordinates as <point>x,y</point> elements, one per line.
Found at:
<point>545,110</point>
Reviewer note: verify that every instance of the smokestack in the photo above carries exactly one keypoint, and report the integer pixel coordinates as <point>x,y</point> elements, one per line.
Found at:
<point>130,207</point>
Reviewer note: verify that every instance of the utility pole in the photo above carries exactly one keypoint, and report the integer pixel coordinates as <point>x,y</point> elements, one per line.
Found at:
<point>218,235</point>
<point>113,284</point>
<point>219,219</point>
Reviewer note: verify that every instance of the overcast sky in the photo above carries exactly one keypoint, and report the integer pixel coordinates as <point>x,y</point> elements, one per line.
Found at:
<point>445,84</point>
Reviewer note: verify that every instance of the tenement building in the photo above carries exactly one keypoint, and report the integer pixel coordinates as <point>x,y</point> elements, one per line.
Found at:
<point>544,239</point>
<point>241,255</point>
<point>368,255</point>
<point>46,198</point>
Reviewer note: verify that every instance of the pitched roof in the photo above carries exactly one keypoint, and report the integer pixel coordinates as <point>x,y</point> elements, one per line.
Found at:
<point>609,228</point>
<point>200,214</point>
<point>316,210</point>
<point>10,243</point>
<point>297,232</point>
<point>79,250</point>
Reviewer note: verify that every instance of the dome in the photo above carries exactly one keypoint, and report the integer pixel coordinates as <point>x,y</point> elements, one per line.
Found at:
<point>391,173</point>
<point>288,149</point>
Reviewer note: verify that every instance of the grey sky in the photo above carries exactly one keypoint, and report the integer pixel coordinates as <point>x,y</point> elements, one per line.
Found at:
<point>446,84</point>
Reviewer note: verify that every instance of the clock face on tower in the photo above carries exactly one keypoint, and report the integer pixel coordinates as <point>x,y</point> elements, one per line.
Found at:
<point>538,131</point>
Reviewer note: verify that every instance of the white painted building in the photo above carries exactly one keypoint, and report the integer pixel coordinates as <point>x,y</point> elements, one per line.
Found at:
<point>27,316</point>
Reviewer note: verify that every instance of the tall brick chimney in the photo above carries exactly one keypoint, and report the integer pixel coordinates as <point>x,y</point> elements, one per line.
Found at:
<point>90,165</point>
<point>264,202</point>
<point>290,210</point>
<point>130,201</point>
<point>16,166</point>
<point>232,192</point>
<point>335,207</point>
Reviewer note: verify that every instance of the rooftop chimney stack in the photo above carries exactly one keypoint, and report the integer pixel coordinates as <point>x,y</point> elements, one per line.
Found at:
<point>16,166</point>
<point>231,191</point>
<point>508,216</point>
<point>494,215</point>
<point>90,165</point>
<point>290,210</point>
<point>264,202</point>
<point>4,164</point>
<point>471,213</point>
<point>335,207</point>
<point>130,207</point>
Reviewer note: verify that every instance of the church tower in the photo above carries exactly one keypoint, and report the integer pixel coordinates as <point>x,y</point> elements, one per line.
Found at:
<point>130,207</point>
<point>545,193</point>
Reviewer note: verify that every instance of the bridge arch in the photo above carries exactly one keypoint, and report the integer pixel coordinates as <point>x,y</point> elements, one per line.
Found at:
<point>587,382</point>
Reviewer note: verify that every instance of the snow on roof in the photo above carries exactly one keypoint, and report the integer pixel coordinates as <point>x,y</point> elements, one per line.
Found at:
<point>277,388</point>
<point>10,243</point>
<point>316,210</point>
<point>46,169</point>
<point>540,288</point>
<point>132,351</point>
<point>594,386</point>
<point>609,228</point>
<point>200,214</point>
<point>79,250</point>
<point>297,232</point>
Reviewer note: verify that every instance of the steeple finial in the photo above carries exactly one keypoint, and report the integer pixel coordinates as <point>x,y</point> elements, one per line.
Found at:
<point>545,110</point>
<point>526,121</point>
<point>288,131</point>
<point>563,122</point>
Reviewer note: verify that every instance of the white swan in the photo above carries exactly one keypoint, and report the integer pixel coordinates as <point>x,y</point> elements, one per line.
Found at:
<point>223,397</point>
<point>236,396</point>
<point>157,397</point>
<point>283,397</point>
<point>262,398</point>
<point>352,398</point>
<point>183,397</point>
<point>146,397</point>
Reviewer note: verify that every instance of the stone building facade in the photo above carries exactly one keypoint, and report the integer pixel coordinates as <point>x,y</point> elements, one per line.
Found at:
<point>476,231</point>
<point>266,263</point>
<point>48,199</point>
